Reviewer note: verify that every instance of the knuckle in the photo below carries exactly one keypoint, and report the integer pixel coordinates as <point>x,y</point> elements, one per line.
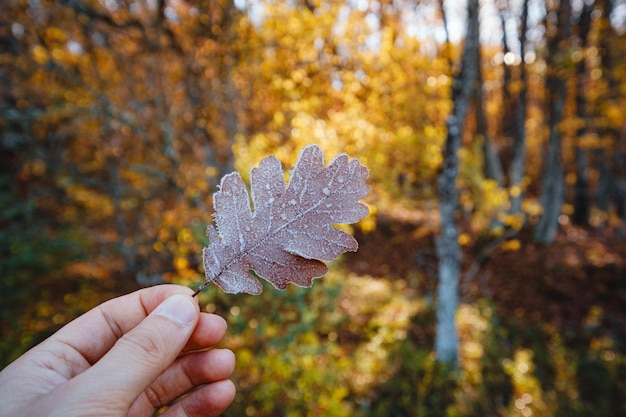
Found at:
<point>147,345</point>
<point>153,397</point>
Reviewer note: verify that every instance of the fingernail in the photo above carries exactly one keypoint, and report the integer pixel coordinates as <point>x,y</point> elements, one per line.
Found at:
<point>179,309</point>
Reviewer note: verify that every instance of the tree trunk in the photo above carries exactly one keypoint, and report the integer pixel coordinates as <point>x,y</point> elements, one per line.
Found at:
<point>448,249</point>
<point>581,189</point>
<point>552,186</point>
<point>492,164</point>
<point>228,99</point>
<point>518,159</point>
<point>493,167</point>
<point>603,190</point>
<point>608,166</point>
<point>507,120</point>
<point>582,200</point>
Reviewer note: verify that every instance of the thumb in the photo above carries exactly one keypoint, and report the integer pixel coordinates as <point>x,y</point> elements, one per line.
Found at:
<point>141,355</point>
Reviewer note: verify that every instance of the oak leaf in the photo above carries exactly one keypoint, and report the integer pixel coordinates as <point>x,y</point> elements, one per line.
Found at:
<point>290,232</point>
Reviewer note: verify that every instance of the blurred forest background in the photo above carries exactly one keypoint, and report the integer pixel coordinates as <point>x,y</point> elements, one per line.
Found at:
<point>118,118</point>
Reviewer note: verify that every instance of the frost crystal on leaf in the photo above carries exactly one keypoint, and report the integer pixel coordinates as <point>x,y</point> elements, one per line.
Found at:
<point>291,230</point>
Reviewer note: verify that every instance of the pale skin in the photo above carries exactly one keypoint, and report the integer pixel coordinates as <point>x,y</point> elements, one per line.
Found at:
<point>127,357</point>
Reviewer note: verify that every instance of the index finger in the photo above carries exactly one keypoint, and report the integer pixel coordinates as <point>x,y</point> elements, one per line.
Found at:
<point>209,331</point>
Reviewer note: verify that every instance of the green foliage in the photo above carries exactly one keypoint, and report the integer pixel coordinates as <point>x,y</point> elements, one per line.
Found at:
<point>36,293</point>
<point>421,386</point>
<point>351,347</point>
<point>288,360</point>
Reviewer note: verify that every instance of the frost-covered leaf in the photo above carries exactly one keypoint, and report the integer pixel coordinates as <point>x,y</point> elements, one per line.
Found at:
<point>290,231</point>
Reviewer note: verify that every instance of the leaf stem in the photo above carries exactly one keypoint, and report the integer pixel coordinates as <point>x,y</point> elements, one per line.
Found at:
<point>200,288</point>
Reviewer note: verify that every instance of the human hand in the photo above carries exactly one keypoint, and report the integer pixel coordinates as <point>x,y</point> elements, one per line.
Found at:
<point>127,357</point>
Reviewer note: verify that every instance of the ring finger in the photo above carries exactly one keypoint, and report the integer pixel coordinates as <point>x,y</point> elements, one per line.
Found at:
<point>186,373</point>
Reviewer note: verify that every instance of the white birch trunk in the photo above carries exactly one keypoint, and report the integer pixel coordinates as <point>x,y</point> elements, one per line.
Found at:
<point>448,249</point>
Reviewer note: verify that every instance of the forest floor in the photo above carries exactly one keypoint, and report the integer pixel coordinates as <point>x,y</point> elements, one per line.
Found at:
<point>578,281</point>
